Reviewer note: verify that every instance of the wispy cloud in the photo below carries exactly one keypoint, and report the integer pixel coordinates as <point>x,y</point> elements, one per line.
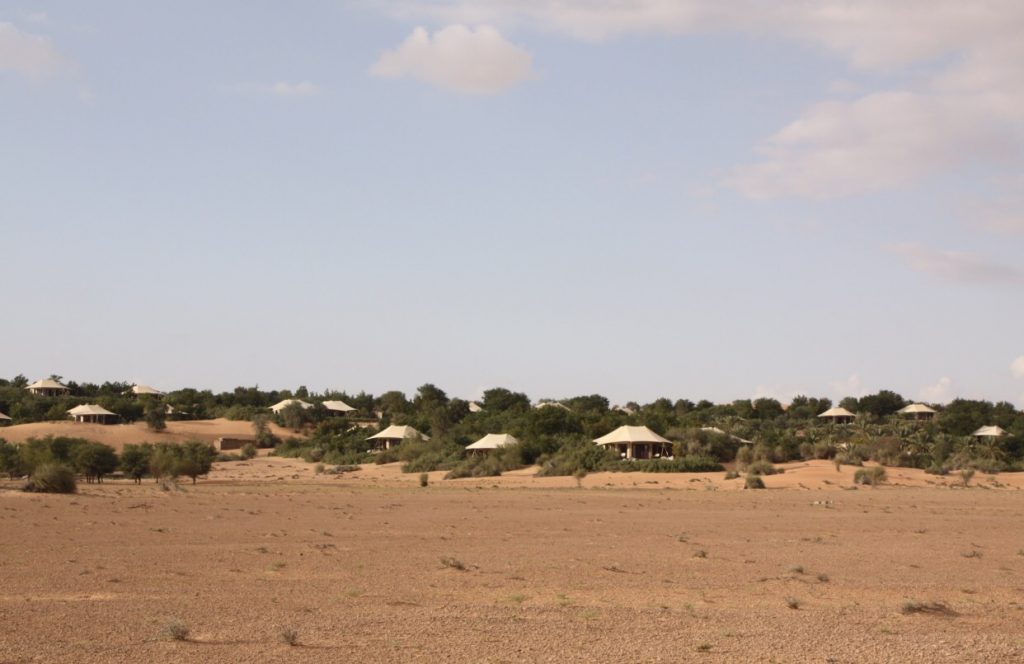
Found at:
<point>28,54</point>
<point>938,392</point>
<point>1017,367</point>
<point>850,387</point>
<point>957,266</point>
<point>458,58</point>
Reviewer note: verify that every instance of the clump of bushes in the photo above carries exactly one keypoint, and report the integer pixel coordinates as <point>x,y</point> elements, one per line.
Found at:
<point>870,476</point>
<point>248,451</point>
<point>52,478</point>
<point>753,482</point>
<point>762,468</point>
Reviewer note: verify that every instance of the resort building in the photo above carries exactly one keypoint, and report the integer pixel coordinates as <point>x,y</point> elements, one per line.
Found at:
<point>838,415</point>
<point>393,436</point>
<point>474,407</point>
<point>917,411</point>
<point>338,407</point>
<point>93,414</point>
<point>989,432</point>
<point>281,405</point>
<point>636,442</point>
<point>4,420</point>
<point>492,441</point>
<point>146,390</point>
<point>48,388</point>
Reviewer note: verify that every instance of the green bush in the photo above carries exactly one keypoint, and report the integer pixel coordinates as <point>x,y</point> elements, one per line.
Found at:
<point>753,482</point>
<point>762,468</point>
<point>248,451</point>
<point>52,478</point>
<point>870,476</point>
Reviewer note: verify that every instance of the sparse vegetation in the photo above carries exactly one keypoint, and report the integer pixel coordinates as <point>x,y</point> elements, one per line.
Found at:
<point>289,636</point>
<point>52,478</point>
<point>936,608</point>
<point>753,482</point>
<point>176,630</point>
<point>965,476</point>
<point>870,476</point>
<point>424,479</point>
<point>793,602</point>
<point>453,563</point>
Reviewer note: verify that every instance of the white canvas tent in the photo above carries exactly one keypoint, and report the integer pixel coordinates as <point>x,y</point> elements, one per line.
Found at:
<point>636,442</point>
<point>917,411</point>
<point>838,415</point>
<point>92,413</point>
<point>4,418</point>
<point>989,432</point>
<point>492,441</point>
<point>393,436</point>
<point>338,407</point>
<point>141,390</point>
<point>281,405</point>
<point>48,388</point>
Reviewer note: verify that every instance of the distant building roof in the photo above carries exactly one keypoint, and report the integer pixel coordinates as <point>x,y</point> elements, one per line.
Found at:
<point>4,417</point>
<point>493,441</point>
<point>837,411</point>
<point>89,409</point>
<point>474,407</point>
<point>281,405</point>
<point>146,389</point>
<point>552,404</point>
<point>396,432</point>
<point>47,384</point>
<point>915,408</point>
<point>338,406</point>
<point>990,432</point>
<point>631,434</point>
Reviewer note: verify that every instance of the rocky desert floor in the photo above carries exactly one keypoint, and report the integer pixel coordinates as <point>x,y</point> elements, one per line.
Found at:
<point>367,566</point>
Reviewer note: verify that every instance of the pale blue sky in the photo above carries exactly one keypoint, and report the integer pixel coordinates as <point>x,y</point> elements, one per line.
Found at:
<point>641,199</point>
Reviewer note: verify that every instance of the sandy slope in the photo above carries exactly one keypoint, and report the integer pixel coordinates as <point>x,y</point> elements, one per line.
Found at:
<point>116,435</point>
<point>667,572</point>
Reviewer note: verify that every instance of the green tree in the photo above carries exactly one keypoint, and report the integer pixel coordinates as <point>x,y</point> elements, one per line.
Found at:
<point>156,414</point>
<point>196,459</point>
<point>294,416</point>
<point>10,460</point>
<point>94,460</point>
<point>135,461</point>
<point>165,461</point>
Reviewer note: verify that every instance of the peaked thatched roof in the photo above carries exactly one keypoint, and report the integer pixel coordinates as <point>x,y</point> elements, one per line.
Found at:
<point>338,406</point>
<point>281,405</point>
<point>396,432</point>
<point>47,384</point>
<point>915,408</point>
<point>4,417</point>
<point>990,432</point>
<point>631,434</point>
<point>493,441</point>
<point>90,409</point>
<point>146,389</point>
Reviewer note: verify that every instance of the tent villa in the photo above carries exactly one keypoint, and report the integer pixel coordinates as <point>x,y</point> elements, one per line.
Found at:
<point>838,415</point>
<point>338,408</point>
<point>143,390</point>
<point>917,411</point>
<point>48,388</point>
<point>492,441</point>
<point>989,432</point>
<point>281,405</point>
<point>393,436</point>
<point>552,404</point>
<point>718,431</point>
<point>4,419</point>
<point>636,442</point>
<point>474,407</point>
<point>92,414</point>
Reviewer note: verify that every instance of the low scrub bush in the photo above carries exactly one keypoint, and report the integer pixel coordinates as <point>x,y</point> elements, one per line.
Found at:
<point>870,476</point>
<point>753,482</point>
<point>762,468</point>
<point>248,451</point>
<point>52,478</point>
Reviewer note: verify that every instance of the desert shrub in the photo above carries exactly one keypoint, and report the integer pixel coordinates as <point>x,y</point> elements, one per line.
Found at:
<point>762,468</point>
<point>965,476</point>
<point>94,460</point>
<point>155,414</point>
<point>870,476</point>
<point>753,482</point>
<point>935,469</point>
<point>313,454</point>
<point>248,451</point>
<point>228,456</point>
<point>195,459</point>
<point>576,454</point>
<point>424,479</point>
<point>453,563</point>
<point>10,460</point>
<point>52,478</point>
<point>386,456</point>
<point>164,461</point>
<point>176,630</point>
<point>938,608</point>
<point>477,466</point>
<point>289,636</point>
<point>731,475</point>
<point>135,460</point>
<point>318,469</point>
<point>846,459</point>
<point>426,455</point>
<point>744,456</point>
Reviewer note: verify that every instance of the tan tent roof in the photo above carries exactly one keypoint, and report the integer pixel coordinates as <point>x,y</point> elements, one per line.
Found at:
<point>281,405</point>
<point>552,404</point>
<point>631,434</point>
<point>915,408</point>
<point>395,432</point>
<point>474,407</point>
<point>339,406</point>
<point>837,411</point>
<point>90,409</point>
<point>493,441</point>
<point>146,389</point>
<point>4,417</point>
<point>47,384</point>
<point>990,431</point>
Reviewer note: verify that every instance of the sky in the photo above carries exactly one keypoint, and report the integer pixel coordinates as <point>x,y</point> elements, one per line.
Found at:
<point>637,198</point>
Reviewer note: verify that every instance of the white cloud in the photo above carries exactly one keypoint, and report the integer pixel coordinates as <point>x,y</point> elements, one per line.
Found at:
<point>939,392</point>
<point>28,54</point>
<point>851,387</point>
<point>1017,367</point>
<point>957,266</point>
<point>458,58</point>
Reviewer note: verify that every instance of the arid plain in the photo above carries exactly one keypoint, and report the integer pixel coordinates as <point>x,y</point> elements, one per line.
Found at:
<point>627,567</point>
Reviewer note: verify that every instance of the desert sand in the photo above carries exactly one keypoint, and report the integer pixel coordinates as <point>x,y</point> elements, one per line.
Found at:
<point>628,568</point>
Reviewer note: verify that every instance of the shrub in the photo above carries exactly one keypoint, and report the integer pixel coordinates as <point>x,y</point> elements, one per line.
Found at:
<point>52,478</point>
<point>248,451</point>
<point>289,636</point>
<point>454,563</point>
<point>965,476</point>
<point>938,608</point>
<point>424,479</point>
<point>578,476</point>
<point>870,476</point>
<point>318,469</point>
<point>176,630</point>
<point>753,482</point>
<point>793,602</point>
<point>731,475</point>
<point>936,469</point>
<point>762,468</point>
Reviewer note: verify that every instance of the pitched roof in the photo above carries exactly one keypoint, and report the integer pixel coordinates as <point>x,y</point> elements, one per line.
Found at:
<point>915,408</point>
<point>990,431</point>
<point>474,407</point>
<point>47,384</point>
<point>493,441</point>
<point>837,411</point>
<point>631,434</point>
<point>89,409</point>
<point>4,417</point>
<point>396,432</point>
<point>281,405</point>
<point>146,389</point>
<point>339,406</point>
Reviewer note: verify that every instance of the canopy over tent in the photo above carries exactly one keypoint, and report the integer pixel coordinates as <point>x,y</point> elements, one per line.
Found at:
<point>394,435</point>
<point>47,386</point>
<point>281,405</point>
<point>989,432</point>
<point>338,406</point>
<point>4,418</point>
<point>636,442</point>
<point>146,389</point>
<point>915,409</point>
<point>837,412</point>
<point>90,409</point>
<point>552,404</point>
<point>493,441</point>
<point>474,407</point>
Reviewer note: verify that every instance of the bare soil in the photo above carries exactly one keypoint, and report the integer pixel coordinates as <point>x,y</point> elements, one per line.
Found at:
<point>368,566</point>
